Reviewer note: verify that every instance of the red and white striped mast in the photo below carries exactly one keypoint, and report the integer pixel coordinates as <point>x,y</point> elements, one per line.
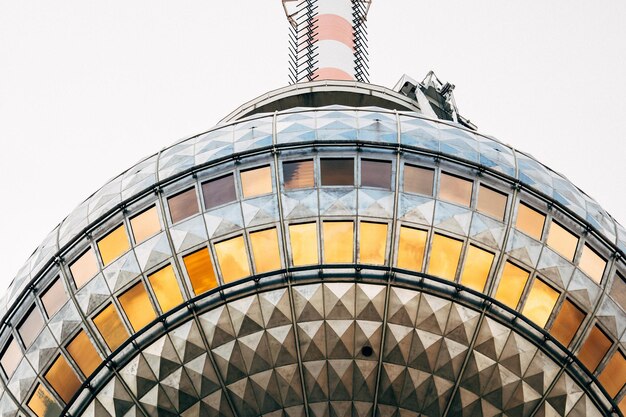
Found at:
<point>328,39</point>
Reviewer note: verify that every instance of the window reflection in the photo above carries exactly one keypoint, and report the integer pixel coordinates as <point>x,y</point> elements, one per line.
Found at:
<point>54,297</point>
<point>445,253</point>
<point>265,250</point>
<point>337,171</point>
<point>84,353</point>
<point>562,241</point>
<point>567,323</point>
<point>233,259</point>
<point>303,238</point>
<point>42,403</point>
<point>372,243</point>
<point>256,182</point>
<point>298,174</point>
<point>511,285</point>
<point>136,304</point>
<point>613,377</point>
<point>594,348</point>
<point>63,379</point>
<point>618,290</point>
<point>476,269</point>
<point>165,288</point>
<point>200,271</point>
<point>219,191</point>
<point>113,245</point>
<point>411,248</point>
<point>31,326</point>
<point>145,225</point>
<point>592,264</point>
<point>455,190</point>
<point>338,242</point>
<point>111,328</point>
<point>491,202</point>
<point>530,221</point>
<point>11,357</point>
<point>183,205</point>
<point>84,268</point>
<point>375,174</point>
<point>540,302</point>
<point>418,180</point>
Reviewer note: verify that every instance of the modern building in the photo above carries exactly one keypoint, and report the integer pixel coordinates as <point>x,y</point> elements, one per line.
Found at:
<point>331,248</point>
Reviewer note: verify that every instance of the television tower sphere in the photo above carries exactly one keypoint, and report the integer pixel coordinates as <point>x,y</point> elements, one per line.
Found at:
<point>331,248</point>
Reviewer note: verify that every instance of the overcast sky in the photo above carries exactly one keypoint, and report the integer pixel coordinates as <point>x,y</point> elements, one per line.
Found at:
<point>87,88</point>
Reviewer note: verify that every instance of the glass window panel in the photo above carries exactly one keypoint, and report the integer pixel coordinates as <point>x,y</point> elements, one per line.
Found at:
<point>530,221</point>
<point>113,245</point>
<point>491,202</point>
<point>63,379</point>
<point>376,174</point>
<point>219,191</point>
<point>592,264</point>
<point>476,269</point>
<point>613,377</point>
<point>562,241</point>
<point>84,268</point>
<point>111,328</point>
<point>444,257</point>
<point>200,271</point>
<point>594,348</point>
<point>303,239</point>
<point>299,174</point>
<point>166,289</point>
<point>43,404</point>
<point>456,190</point>
<point>54,297</point>
<point>256,181</point>
<point>540,302</point>
<point>11,357</point>
<point>618,291</point>
<point>265,250</point>
<point>31,326</point>
<point>233,259</point>
<point>511,285</point>
<point>183,205</point>
<point>136,304</point>
<point>337,171</point>
<point>418,180</point>
<point>373,243</point>
<point>84,353</point>
<point>338,242</point>
<point>567,323</point>
<point>145,225</point>
<point>411,248</point>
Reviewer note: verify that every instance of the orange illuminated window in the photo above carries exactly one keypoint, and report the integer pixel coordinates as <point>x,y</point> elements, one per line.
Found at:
<point>592,264</point>
<point>232,259</point>
<point>567,323</point>
<point>200,271</point>
<point>562,241</point>
<point>456,190</point>
<point>84,268</point>
<point>530,221</point>
<point>540,302</point>
<point>54,297</point>
<point>613,377</point>
<point>418,180</point>
<point>265,250</point>
<point>113,245</point>
<point>84,353</point>
<point>595,347</point>
<point>31,326</point>
<point>111,328</point>
<point>338,242</point>
<point>136,304</point>
<point>183,205</point>
<point>145,225</point>
<point>372,243</point>
<point>63,379</point>
<point>491,202</point>
<point>476,269</point>
<point>11,357</point>
<point>376,174</point>
<point>445,253</point>
<point>219,191</point>
<point>166,289</point>
<point>411,248</point>
<point>303,239</point>
<point>256,182</point>
<point>511,285</point>
<point>43,404</point>
<point>298,174</point>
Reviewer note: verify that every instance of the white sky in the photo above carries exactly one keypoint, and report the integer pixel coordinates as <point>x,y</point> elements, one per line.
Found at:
<point>87,88</point>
